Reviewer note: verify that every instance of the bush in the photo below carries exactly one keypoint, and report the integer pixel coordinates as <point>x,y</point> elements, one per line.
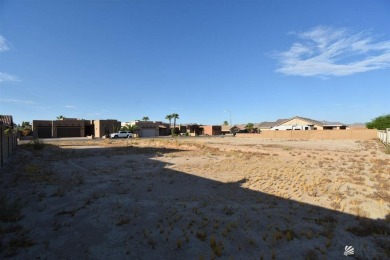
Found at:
<point>9,211</point>
<point>379,123</point>
<point>37,144</point>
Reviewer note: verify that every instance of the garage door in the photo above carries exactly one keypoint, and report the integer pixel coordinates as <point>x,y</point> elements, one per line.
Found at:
<point>68,132</point>
<point>44,132</point>
<point>148,132</point>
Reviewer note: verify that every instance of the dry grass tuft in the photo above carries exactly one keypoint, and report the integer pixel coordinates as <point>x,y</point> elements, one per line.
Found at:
<point>368,227</point>
<point>9,211</point>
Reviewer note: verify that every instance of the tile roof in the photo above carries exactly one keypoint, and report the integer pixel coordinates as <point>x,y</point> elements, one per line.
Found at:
<point>327,123</point>
<point>6,120</point>
<point>267,124</point>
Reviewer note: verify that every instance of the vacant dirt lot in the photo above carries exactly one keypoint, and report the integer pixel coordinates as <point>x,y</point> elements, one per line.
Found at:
<point>196,198</point>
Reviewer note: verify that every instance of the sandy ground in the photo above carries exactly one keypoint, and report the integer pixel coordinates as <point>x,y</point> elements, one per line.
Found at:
<point>196,198</point>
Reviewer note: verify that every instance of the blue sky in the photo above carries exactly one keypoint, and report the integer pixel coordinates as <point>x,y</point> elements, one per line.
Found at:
<point>260,60</point>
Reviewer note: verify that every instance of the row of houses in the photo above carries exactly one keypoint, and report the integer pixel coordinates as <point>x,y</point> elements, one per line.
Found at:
<point>72,127</point>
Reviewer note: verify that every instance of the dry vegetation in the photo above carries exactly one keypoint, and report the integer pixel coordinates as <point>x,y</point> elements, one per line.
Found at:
<point>196,198</point>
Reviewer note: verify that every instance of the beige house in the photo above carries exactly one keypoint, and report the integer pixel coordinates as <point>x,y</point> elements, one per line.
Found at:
<point>105,127</point>
<point>302,123</point>
<point>146,128</point>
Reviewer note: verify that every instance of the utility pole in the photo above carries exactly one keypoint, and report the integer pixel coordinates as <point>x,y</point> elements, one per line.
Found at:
<point>230,114</point>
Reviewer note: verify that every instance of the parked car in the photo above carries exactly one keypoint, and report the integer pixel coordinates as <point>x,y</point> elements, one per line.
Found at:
<point>121,134</point>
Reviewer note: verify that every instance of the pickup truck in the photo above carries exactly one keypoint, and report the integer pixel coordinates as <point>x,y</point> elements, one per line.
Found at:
<point>121,134</point>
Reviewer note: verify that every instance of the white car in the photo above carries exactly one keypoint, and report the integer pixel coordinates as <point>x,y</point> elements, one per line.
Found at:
<point>121,134</point>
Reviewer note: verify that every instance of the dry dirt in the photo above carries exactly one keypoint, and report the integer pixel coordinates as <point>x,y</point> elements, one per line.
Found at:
<point>196,198</point>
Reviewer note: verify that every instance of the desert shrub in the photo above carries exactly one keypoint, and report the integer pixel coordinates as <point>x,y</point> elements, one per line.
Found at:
<point>384,244</point>
<point>368,227</point>
<point>37,144</point>
<point>9,211</point>
<point>201,235</point>
<point>311,255</point>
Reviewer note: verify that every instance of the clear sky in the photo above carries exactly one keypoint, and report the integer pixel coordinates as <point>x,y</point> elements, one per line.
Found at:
<point>260,60</point>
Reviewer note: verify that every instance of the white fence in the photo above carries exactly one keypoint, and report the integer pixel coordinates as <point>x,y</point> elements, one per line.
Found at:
<point>384,136</point>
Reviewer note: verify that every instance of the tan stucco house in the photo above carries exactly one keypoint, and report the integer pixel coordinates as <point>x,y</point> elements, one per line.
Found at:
<point>301,123</point>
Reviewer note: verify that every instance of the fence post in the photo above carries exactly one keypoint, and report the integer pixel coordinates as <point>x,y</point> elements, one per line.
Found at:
<point>387,139</point>
<point>8,152</point>
<point>1,146</point>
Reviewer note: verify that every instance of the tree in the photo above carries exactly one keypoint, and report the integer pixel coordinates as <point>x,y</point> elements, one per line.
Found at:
<point>61,117</point>
<point>379,123</point>
<point>145,118</point>
<point>174,117</point>
<point>169,117</point>
<point>116,128</point>
<point>249,127</point>
<point>225,122</point>
<point>130,128</point>
<point>26,125</point>
<point>25,128</point>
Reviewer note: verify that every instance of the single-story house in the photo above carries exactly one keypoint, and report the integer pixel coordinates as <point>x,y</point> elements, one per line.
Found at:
<point>227,129</point>
<point>73,127</point>
<point>301,123</point>
<point>146,128</point>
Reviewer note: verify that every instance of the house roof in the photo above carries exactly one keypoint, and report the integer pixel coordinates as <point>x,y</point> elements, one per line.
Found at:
<point>6,120</point>
<point>311,121</point>
<point>326,123</point>
<point>266,124</point>
<point>314,122</point>
<point>151,125</point>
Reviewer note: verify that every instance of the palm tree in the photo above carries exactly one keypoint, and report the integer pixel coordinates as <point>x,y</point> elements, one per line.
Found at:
<point>169,117</point>
<point>145,118</point>
<point>130,128</point>
<point>249,127</point>
<point>174,117</point>
<point>225,122</point>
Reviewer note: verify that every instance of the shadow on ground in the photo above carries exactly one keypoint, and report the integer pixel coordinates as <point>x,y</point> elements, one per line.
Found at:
<point>127,203</point>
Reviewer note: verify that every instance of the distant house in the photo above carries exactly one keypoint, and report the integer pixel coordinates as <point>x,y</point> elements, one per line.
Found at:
<point>302,123</point>
<point>146,128</point>
<point>212,129</point>
<point>269,125</point>
<point>190,129</point>
<point>227,129</point>
<point>7,121</point>
<point>100,128</point>
<point>164,129</point>
<point>73,127</point>
<point>150,128</point>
